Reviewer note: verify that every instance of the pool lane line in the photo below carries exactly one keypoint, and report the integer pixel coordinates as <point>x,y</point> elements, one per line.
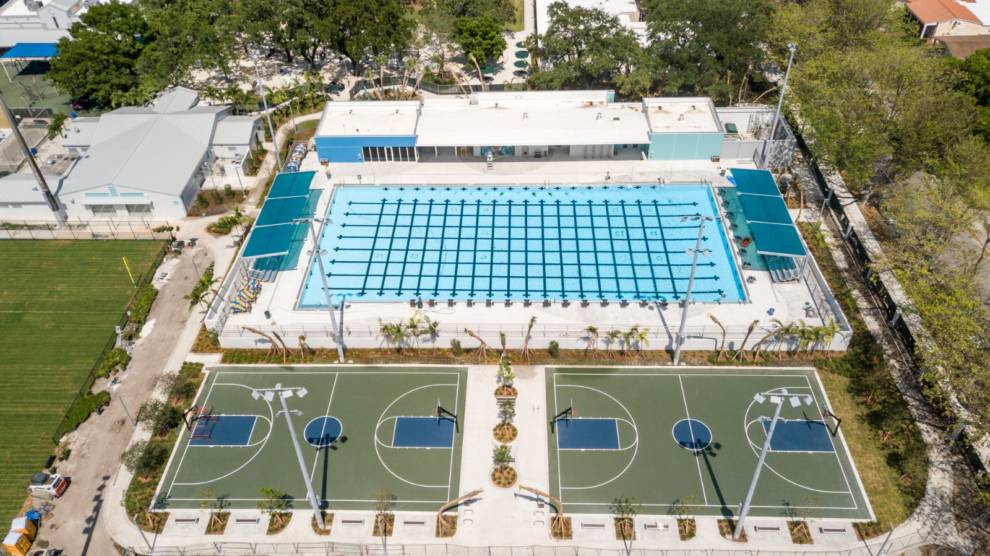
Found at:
<point>388,251</point>
<point>649,252</point>
<point>594,246</point>
<point>666,250</point>
<point>422,249</point>
<point>491,252</point>
<point>474,249</point>
<point>405,250</point>
<point>371,252</point>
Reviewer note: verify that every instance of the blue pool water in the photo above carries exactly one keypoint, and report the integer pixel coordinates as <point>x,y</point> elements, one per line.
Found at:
<point>521,243</point>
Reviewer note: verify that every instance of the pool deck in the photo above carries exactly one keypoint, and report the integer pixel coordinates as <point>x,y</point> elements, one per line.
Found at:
<point>563,322</point>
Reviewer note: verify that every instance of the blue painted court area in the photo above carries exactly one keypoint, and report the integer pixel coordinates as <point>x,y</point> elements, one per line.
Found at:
<point>223,430</point>
<point>423,432</point>
<point>323,431</point>
<point>692,434</point>
<point>800,436</point>
<point>587,434</point>
<point>622,242</point>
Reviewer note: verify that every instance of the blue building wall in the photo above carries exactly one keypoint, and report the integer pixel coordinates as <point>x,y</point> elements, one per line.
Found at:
<point>685,146</point>
<point>348,149</point>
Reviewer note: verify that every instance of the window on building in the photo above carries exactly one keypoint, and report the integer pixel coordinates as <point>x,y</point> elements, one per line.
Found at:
<point>103,210</point>
<point>138,210</point>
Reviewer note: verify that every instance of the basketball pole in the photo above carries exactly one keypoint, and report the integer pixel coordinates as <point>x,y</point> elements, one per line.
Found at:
<point>759,467</point>
<point>282,394</point>
<point>337,332</point>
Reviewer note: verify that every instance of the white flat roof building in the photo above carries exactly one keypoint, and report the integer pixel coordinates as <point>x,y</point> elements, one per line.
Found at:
<point>369,118</point>
<point>530,119</point>
<point>681,115</point>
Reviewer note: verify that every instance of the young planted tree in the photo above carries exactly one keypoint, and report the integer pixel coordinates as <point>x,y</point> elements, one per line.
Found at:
<point>482,346</point>
<point>721,344</point>
<point>624,510</point>
<point>591,339</point>
<point>384,518</point>
<point>276,504</point>
<point>526,338</point>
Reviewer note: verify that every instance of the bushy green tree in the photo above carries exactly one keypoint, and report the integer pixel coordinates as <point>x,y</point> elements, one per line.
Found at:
<point>501,11</point>
<point>97,63</point>
<point>708,47</point>
<point>587,48</point>
<point>480,38</point>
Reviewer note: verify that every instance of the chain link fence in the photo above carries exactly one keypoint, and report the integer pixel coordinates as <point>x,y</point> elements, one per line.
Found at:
<point>83,229</point>
<point>877,547</point>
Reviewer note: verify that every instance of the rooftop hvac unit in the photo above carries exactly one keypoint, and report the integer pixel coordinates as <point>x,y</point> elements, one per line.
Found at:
<point>33,5</point>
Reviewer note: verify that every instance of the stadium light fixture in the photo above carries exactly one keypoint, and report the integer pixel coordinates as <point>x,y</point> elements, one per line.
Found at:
<point>284,394</point>
<point>792,48</point>
<point>268,116</point>
<point>778,401</point>
<point>318,255</point>
<point>679,341</point>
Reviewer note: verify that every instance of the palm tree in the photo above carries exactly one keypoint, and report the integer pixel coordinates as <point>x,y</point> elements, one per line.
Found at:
<point>611,337</point>
<point>642,338</point>
<point>482,348</point>
<point>721,345</point>
<point>591,339</point>
<point>525,345</point>
<point>777,331</point>
<point>392,333</point>
<point>827,332</point>
<point>742,345</point>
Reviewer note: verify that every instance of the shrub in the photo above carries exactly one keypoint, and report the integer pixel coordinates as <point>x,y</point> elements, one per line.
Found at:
<point>228,191</point>
<point>159,416</point>
<point>56,125</point>
<point>502,455</point>
<point>455,347</point>
<point>140,307</point>
<point>554,349</point>
<point>201,201</point>
<point>117,359</point>
<point>144,458</point>
<point>81,410</point>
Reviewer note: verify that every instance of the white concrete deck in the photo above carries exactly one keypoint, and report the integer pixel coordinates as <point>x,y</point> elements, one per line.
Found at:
<point>560,321</point>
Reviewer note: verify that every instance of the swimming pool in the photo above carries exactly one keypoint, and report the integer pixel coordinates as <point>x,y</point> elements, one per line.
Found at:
<point>522,243</point>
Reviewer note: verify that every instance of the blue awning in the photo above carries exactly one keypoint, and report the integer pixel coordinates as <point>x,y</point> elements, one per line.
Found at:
<point>777,239</point>
<point>281,211</point>
<point>293,184</point>
<point>31,51</point>
<point>276,232</point>
<point>757,182</point>
<point>764,208</point>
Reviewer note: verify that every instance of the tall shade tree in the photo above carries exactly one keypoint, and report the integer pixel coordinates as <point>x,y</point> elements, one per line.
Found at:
<point>295,28</point>
<point>480,38</point>
<point>975,72</point>
<point>191,34</point>
<point>587,48</point>
<point>709,47</point>
<point>501,11</point>
<point>372,28</point>
<point>97,63</point>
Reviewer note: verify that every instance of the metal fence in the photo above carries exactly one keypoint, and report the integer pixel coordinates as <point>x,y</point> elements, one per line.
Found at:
<point>86,229</point>
<point>143,279</point>
<point>876,547</point>
<point>364,86</point>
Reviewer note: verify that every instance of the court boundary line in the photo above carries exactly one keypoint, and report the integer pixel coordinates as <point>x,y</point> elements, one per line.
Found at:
<point>185,432</point>
<point>687,414</point>
<point>316,460</point>
<point>838,460</point>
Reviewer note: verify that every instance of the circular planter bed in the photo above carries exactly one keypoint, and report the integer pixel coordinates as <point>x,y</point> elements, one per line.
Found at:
<point>506,391</point>
<point>505,432</point>
<point>504,476</point>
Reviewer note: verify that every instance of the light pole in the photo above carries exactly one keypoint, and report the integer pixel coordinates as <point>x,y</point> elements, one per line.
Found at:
<point>33,164</point>
<point>679,341</point>
<point>269,394</point>
<point>777,400</point>
<point>791,47</point>
<point>317,254</point>
<point>268,117</point>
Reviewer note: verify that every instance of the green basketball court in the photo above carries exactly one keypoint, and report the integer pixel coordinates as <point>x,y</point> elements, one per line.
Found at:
<point>361,429</point>
<point>688,441</point>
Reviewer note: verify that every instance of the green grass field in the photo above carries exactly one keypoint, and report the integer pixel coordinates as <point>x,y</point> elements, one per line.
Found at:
<point>59,302</point>
<point>380,437</point>
<point>627,435</point>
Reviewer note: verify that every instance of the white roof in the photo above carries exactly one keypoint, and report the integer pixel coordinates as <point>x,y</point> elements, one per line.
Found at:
<point>553,118</point>
<point>22,188</point>
<point>369,118</point>
<point>155,149</point>
<point>79,132</point>
<point>10,37</point>
<point>626,11</point>
<point>681,114</point>
<point>234,130</point>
